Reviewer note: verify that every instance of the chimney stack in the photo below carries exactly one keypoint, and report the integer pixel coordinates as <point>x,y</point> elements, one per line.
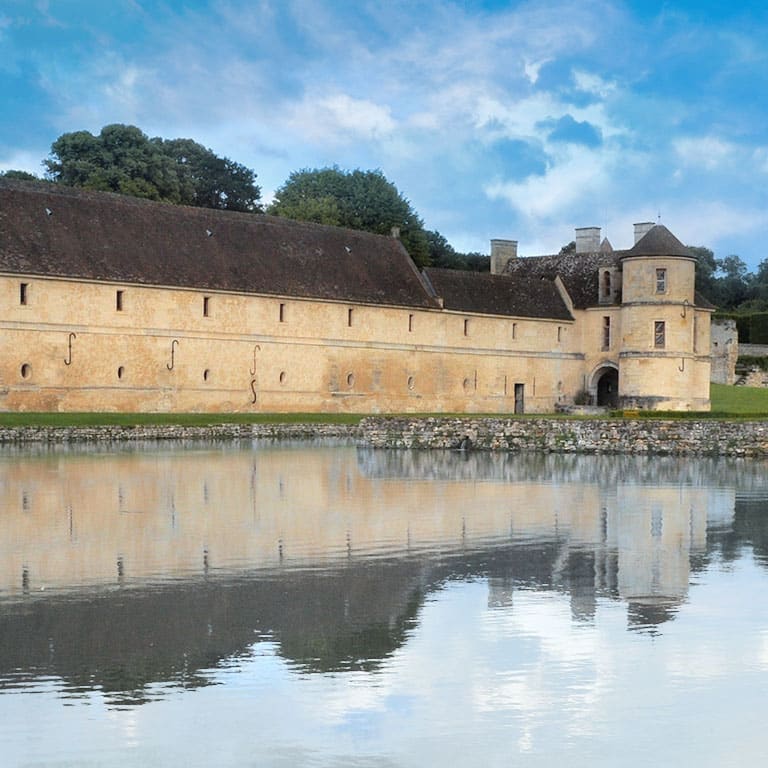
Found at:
<point>587,239</point>
<point>502,251</point>
<point>642,229</point>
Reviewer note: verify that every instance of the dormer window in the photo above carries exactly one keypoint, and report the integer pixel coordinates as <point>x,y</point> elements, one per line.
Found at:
<point>605,291</point>
<point>661,281</point>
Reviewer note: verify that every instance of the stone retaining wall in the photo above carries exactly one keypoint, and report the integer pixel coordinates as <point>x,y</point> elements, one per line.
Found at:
<point>604,436</point>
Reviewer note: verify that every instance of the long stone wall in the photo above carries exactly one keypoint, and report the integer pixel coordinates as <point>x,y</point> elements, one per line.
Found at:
<point>601,436</point>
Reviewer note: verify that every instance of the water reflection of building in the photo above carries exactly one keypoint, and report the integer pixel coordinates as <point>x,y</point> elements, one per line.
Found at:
<point>331,552</point>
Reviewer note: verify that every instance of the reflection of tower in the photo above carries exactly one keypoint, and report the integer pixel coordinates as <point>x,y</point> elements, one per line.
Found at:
<point>655,531</point>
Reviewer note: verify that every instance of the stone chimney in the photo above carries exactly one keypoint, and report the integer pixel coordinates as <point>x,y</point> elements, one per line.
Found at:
<point>502,251</point>
<point>587,239</point>
<point>642,229</point>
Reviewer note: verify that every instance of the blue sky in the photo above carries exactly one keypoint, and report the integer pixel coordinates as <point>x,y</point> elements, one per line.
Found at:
<point>516,120</point>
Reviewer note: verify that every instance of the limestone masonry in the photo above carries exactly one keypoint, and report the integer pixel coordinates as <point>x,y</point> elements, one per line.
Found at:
<point>595,436</point>
<point>110,303</point>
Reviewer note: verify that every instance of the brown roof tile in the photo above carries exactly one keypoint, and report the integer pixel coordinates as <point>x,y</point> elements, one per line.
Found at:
<point>51,230</point>
<point>578,271</point>
<point>497,294</point>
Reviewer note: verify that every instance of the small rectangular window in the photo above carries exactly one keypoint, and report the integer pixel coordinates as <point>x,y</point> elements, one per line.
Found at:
<point>559,333</point>
<point>23,293</point>
<point>606,333</point>
<point>466,326</point>
<point>514,330</point>
<point>281,313</point>
<point>410,323</point>
<point>659,334</point>
<point>661,281</point>
<point>350,313</point>
<point>206,306</point>
<point>119,300</point>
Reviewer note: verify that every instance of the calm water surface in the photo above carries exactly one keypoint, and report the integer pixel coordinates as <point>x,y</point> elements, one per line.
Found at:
<point>253,605</point>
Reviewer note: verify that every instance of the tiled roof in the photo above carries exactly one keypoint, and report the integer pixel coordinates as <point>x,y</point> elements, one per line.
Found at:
<point>497,294</point>
<point>578,271</point>
<point>658,241</point>
<point>51,230</point>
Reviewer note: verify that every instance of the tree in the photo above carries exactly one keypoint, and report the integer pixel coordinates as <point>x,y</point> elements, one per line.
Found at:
<point>123,159</point>
<point>209,181</point>
<point>18,175</point>
<point>363,200</point>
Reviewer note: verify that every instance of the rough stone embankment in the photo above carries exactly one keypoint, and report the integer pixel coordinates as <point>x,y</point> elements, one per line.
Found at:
<point>600,436</point>
<point>641,436</point>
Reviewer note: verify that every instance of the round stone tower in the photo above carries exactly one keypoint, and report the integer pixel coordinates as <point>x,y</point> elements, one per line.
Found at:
<point>662,362</point>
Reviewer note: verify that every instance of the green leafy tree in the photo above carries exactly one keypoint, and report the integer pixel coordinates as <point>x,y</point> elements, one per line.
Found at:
<point>363,200</point>
<point>18,175</point>
<point>209,181</point>
<point>123,159</point>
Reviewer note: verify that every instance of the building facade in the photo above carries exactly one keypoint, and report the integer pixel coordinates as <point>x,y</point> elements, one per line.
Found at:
<point>111,303</point>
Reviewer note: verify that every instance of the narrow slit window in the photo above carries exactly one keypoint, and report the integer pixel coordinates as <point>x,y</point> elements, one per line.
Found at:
<point>350,313</point>
<point>281,313</point>
<point>119,300</point>
<point>659,334</point>
<point>559,333</point>
<point>23,293</point>
<point>410,323</point>
<point>606,333</point>
<point>206,306</point>
<point>661,280</point>
<point>606,284</point>
<point>514,330</point>
<point>466,326</point>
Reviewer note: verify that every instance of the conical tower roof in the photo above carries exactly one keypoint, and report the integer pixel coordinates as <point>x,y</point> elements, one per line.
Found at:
<point>658,241</point>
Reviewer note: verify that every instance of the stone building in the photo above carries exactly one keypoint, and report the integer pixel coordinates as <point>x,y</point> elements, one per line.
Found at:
<point>111,303</point>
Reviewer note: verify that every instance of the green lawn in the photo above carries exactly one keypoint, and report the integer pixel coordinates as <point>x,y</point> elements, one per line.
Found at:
<point>739,401</point>
<point>182,419</point>
<point>727,402</point>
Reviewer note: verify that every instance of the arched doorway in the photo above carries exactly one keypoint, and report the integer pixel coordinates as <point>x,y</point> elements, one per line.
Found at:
<point>607,387</point>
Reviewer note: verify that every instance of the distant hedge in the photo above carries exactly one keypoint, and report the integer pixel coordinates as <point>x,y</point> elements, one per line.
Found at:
<point>752,328</point>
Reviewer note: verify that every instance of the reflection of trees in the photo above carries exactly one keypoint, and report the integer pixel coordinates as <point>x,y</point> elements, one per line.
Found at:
<point>353,616</point>
<point>601,470</point>
<point>749,529</point>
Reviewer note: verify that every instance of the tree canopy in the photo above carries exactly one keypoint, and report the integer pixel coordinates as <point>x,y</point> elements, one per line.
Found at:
<point>18,175</point>
<point>363,200</point>
<point>123,159</point>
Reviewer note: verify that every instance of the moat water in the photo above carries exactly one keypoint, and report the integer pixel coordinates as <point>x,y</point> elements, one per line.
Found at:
<point>317,605</point>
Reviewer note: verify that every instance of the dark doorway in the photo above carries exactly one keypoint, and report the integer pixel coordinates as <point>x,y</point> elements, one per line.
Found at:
<point>608,388</point>
<point>519,398</point>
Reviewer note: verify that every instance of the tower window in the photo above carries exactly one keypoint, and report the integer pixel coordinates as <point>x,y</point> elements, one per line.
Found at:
<point>119,300</point>
<point>661,281</point>
<point>466,326</point>
<point>410,323</point>
<point>281,314</point>
<point>206,306</point>
<point>350,313</point>
<point>23,293</point>
<point>606,332</point>
<point>659,334</point>
<point>606,284</point>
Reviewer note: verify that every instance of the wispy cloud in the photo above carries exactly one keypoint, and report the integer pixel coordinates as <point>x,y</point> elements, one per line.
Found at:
<point>606,108</point>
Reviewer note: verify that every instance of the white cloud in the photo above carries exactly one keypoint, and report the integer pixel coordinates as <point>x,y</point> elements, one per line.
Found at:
<point>708,152</point>
<point>22,161</point>
<point>532,68</point>
<point>591,83</point>
<point>333,118</point>
<point>577,173</point>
